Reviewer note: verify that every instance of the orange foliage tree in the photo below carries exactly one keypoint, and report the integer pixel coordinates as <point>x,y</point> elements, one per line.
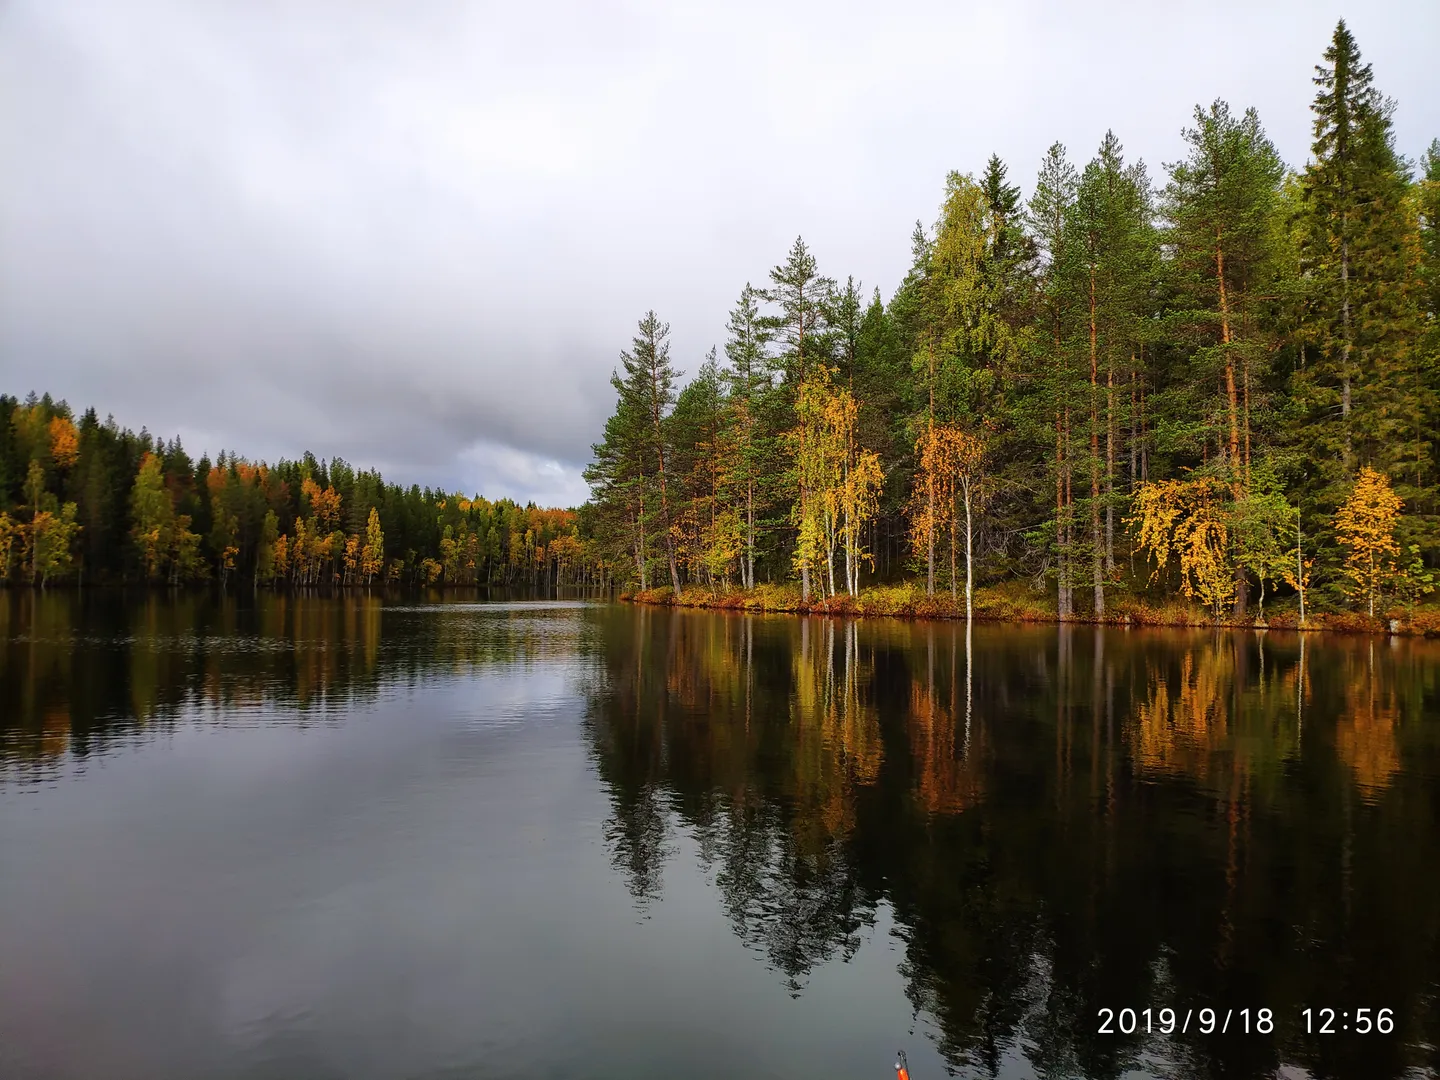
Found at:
<point>947,485</point>
<point>1365,527</point>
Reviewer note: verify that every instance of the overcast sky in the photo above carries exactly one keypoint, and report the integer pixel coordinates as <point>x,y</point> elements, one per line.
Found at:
<point>417,234</point>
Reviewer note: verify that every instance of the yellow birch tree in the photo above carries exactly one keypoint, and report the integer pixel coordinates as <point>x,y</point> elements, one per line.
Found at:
<point>1365,527</point>
<point>1187,520</point>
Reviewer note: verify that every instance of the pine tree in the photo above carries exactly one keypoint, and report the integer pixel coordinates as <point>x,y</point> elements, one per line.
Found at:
<point>1051,222</point>
<point>799,292</point>
<point>1224,235</point>
<point>1117,244</point>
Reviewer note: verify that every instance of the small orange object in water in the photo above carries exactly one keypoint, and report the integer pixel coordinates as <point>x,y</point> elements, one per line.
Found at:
<point>902,1070</point>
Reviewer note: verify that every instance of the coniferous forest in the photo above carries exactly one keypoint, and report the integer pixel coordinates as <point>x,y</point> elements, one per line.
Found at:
<point>1212,389</point>
<point>1215,387</point>
<point>86,500</point>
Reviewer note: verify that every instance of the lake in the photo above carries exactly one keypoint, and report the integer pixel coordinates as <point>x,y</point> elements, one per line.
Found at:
<point>300,837</point>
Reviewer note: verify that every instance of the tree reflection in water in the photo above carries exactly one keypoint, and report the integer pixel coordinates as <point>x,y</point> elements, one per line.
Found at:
<point>1061,819</point>
<point>1055,820</point>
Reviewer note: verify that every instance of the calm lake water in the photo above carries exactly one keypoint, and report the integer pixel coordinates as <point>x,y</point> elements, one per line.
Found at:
<point>310,838</point>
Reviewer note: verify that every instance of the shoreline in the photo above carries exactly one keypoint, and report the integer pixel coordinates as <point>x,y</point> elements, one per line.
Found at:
<point>1000,606</point>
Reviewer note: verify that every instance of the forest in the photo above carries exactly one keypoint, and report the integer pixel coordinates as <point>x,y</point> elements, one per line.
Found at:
<point>1212,388</point>
<point>88,501</point>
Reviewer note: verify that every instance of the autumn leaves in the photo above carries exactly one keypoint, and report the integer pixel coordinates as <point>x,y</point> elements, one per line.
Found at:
<point>35,546</point>
<point>1217,376</point>
<point>838,483</point>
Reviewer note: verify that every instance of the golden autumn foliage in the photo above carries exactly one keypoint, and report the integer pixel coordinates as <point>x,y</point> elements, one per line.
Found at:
<point>352,559</point>
<point>50,537</point>
<point>1365,527</point>
<point>324,505</point>
<point>64,442</point>
<point>838,483</point>
<point>372,556</point>
<point>949,461</point>
<point>1187,520</point>
<point>11,535</point>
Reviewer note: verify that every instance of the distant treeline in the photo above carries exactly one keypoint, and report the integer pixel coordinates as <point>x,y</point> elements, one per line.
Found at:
<point>86,500</point>
<point>1221,386</point>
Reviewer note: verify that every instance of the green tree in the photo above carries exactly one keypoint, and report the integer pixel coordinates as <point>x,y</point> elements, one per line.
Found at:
<point>153,518</point>
<point>749,389</point>
<point>1054,373</point>
<point>52,539</point>
<point>800,293</point>
<point>372,559</point>
<point>1361,265</point>
<point>1225,237</point>
<point>1117,250</point>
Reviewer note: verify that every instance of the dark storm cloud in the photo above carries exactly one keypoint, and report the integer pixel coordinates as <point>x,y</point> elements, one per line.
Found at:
<point>417,235</point>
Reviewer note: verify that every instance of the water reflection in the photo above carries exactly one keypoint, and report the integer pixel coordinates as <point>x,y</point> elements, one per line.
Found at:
<point>1062,820</point>
<point>1058,820</point>
<point>78,670</point>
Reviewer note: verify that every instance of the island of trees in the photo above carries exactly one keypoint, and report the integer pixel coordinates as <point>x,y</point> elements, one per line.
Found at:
<point>1216,389</point>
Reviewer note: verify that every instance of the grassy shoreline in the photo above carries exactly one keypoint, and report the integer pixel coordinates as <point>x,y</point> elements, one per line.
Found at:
<point>1011,605</point>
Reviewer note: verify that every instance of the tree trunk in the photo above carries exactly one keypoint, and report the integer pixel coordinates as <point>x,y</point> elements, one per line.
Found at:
<point>930,486</point>
<point>830,536</point>
<point>640,544</point>
<point>1110,440</point>
<point>1062,597</point>
<point>969,563</point>
<point>848,532</point>
<point>1097,568</point>
<point>664,497</point>
<point>1069,520</point>
<point>750,533</point>
<point>1231,395</point>
<point>1346,344</point>
<point>1237,466</point>
<point>954,543</point>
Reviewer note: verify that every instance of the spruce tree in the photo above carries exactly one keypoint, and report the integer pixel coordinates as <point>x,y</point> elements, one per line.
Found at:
<point>799,291</point>
<point>1360,265</point>
<point>749,389</point>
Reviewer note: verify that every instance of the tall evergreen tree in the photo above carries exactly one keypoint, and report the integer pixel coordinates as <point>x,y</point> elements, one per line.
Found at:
<point>749,388</point>
<point>1118,247</point>
<point>1361,269</point>
<point>1052,225</point>
<point>649,384</point>
<point>800,293</point>
<point>1225,238</point>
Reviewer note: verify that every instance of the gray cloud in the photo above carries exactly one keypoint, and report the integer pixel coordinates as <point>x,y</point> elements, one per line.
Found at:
<point>417,235</point>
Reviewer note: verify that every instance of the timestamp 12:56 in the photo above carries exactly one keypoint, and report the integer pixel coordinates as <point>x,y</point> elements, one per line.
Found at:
<point>1343,1021</point>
